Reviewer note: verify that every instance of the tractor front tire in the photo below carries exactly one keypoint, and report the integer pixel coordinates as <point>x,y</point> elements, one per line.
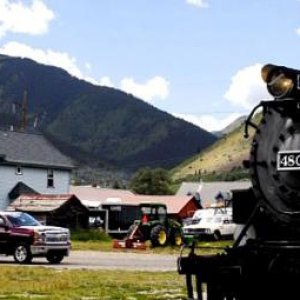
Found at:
<point>158,236</point>
<point>176,238</point>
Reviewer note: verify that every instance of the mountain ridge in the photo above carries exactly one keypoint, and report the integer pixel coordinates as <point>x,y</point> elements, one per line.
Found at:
<point>222,160</point>
<point>94,124</point>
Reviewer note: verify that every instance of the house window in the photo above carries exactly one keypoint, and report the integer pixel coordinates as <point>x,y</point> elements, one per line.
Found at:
<point>50,178</point>
<point>19,170</point>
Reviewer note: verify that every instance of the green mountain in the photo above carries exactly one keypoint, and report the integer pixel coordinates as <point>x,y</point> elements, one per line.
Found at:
<point>231,127</point>
<point>222,160</point>
<point>95,125</point>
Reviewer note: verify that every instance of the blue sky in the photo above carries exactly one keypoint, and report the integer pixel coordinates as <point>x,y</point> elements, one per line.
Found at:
<point>196,59</point>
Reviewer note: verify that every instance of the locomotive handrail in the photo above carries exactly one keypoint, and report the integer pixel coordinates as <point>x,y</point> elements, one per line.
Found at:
<point>294,103</point>
<point>249,122</point>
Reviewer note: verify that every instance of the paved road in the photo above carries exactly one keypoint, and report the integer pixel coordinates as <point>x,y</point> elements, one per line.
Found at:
<point>108,260</point>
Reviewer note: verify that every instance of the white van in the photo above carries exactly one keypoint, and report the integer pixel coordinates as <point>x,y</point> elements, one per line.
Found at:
<point>213,223</point>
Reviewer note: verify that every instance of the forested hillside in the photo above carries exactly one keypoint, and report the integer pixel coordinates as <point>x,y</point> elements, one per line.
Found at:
<point>95,125</point>
<point>223,160</point>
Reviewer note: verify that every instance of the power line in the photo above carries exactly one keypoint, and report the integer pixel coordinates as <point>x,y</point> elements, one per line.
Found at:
<point>198,113</point>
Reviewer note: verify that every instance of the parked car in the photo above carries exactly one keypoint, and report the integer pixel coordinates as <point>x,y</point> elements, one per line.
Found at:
<point>24,237</point>
<point>211,223</point>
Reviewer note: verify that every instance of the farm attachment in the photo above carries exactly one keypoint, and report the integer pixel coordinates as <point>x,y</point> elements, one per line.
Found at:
<point>131,241</point>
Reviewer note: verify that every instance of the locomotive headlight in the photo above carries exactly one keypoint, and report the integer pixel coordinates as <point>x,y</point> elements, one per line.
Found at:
<point>281,82</point>
<point>280,86</point>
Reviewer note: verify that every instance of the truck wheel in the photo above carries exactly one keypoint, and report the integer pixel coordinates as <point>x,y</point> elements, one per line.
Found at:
<point>22,254</point>
<point>217,235</point>
<point>54,258</point>
<point>158,236</point>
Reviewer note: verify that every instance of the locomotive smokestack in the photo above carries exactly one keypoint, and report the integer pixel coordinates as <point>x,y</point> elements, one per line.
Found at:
<point>282,82</point>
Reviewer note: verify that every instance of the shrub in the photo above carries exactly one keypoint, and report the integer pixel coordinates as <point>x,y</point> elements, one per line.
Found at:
<point>85,235</point>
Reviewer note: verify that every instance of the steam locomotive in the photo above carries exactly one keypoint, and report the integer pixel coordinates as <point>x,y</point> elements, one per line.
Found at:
<point>264,261</point>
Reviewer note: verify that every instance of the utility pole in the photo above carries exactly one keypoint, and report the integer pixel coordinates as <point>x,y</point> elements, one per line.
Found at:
<point>24,112</point>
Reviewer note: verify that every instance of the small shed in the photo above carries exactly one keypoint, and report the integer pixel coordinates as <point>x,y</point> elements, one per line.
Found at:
<point>58,210</point>
<point>107,204</point>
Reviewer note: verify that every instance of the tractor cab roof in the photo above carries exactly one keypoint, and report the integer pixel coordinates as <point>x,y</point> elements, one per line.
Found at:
<point>152,205</point>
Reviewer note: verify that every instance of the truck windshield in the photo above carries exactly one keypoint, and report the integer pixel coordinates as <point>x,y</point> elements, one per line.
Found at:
<point>22,219</point>
<point>212,220</point>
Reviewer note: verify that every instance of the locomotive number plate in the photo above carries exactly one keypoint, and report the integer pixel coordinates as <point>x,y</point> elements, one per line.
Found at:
<point>288,160</point>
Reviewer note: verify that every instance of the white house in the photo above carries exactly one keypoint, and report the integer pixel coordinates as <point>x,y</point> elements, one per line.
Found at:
<point>28,164</point>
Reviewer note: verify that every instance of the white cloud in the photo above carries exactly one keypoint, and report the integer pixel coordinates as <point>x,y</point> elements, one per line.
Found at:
<point>88,66</point>
<point>198,3</point>
<point>106,81</point>
<point>48,57</point>
<point>16,17</point>
<point>208,122</point>
<point>247,88</point>
<point>154,88</point>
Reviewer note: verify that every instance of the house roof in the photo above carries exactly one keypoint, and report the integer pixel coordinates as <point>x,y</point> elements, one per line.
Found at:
<point>209,190</point>
<point>40,203</point>
<point>95,197</point>
<point>30,149</point>
<point>188,188</point>
<point>19,189</point>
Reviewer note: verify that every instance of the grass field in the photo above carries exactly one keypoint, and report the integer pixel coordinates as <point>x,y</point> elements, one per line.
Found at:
<point>41,283</point>
<point>98,240</point>
<point>204,247</point>
<point>51,284</point>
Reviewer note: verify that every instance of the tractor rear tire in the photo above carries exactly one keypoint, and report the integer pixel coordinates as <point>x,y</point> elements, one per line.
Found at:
<point>158,236</point>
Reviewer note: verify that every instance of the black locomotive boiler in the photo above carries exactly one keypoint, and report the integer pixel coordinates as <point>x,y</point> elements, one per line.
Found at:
<point>264,262</point>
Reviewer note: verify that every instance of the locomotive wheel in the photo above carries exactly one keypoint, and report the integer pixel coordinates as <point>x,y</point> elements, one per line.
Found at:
<point>158,236</point>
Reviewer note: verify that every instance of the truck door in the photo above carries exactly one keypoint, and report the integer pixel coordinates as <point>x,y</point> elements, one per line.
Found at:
<point>4,235</point>
<point>228,226</point>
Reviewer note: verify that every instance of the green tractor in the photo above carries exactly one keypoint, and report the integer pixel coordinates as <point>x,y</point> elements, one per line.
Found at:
<point>155,226</point>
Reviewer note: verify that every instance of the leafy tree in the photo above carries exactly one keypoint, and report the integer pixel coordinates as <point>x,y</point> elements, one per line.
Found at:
<point>149,181</point>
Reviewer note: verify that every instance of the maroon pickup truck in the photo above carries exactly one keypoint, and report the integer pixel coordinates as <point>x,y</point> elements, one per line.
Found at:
<point>24,237</point>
